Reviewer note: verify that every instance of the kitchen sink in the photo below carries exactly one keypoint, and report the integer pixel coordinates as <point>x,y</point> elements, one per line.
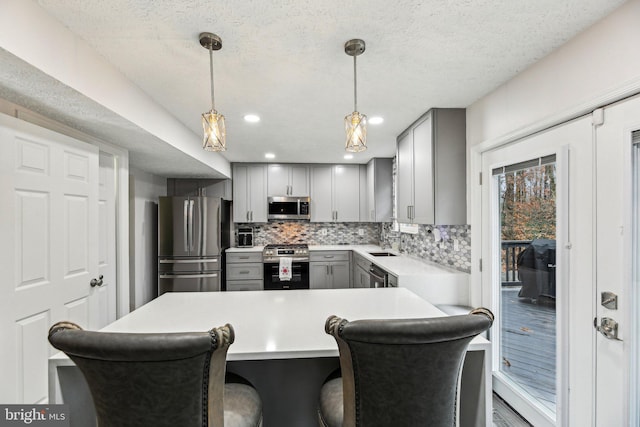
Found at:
<point>381,254</point>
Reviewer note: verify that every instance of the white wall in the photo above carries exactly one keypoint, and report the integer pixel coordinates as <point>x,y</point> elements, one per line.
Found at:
<point>144,190</point>
<point>29,33</point>
<point>603,60</point>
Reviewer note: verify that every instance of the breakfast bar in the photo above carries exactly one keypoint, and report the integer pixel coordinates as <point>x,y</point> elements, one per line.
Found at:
<point>281,346</point>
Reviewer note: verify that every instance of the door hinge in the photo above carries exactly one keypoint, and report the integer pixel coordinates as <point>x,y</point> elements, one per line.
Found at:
<point>480,178</point>
<point>480,264</point>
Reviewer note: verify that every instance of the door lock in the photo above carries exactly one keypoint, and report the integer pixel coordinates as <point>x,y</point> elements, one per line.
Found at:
<point>96,282</point>
<point>609,300</point>
<point>608,327</point>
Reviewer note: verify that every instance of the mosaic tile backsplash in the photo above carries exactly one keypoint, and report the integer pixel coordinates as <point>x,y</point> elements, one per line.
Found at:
<point>423,245</point>
<point>420,246</point>
<point>315,233</point>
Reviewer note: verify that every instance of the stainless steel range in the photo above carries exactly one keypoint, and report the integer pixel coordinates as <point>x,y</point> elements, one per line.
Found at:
<point>271,256</point>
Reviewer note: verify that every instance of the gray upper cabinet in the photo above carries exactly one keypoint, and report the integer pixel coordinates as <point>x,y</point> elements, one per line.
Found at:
<point>335,193</point>
<point>249,193</point>
<point>288,180</point>
<point>379,185</point>
<point>431,169</point>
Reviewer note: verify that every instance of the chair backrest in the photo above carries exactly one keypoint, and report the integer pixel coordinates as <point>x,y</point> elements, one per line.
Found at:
<point>150,379</point>
<point>403,372</point>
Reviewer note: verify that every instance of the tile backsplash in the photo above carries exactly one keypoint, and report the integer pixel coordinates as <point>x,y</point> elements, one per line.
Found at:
<point>420,246</point>
<point>315,233</point>
<point>424,246</point>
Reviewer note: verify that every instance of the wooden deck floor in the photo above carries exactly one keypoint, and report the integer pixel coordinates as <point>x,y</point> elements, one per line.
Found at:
<point>529,345</point>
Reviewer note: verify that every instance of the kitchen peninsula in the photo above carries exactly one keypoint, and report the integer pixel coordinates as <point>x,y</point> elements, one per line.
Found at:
<point>281,346</point>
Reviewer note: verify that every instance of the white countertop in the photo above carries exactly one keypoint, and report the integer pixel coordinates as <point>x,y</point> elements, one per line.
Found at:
<point>433,282</point>
<point>276,324</point>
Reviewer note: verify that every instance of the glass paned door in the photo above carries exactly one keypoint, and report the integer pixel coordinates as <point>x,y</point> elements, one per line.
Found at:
<point>537,275</point>
<point>527,295</point>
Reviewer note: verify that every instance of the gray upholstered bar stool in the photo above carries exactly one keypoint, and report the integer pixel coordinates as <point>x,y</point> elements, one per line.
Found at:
<point>172,379</point>
<point>401,372</point>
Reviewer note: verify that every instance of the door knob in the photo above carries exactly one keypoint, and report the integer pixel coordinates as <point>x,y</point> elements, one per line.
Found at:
<point>608,327</point>
<point>96,282</point>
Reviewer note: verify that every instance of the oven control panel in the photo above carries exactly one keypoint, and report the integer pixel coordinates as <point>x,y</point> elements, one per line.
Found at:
<point>272,253</point>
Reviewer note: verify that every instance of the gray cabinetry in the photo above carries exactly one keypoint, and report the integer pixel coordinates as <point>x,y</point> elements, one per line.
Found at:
<point>379,185</point>
<point>288,180</point>
<point>360,271</point>
<point>431,169</point>
<point>329,270</point>
<point>249,193</point>
<point>335,193</point>
<point>244,271</point>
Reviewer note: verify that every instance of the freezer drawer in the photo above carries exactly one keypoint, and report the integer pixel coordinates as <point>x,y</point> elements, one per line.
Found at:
<point>189,265</point>
<point>206,281</point>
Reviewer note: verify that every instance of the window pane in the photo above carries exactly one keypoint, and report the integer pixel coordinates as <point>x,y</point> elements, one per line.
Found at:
<point>528,282</point>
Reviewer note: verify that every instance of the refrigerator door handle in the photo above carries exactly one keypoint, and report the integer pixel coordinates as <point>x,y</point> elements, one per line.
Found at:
<point>185,225</point>
<point>186,276</point>
<point>219,227</point>
<point>191,226</point>
<point>187,261</point>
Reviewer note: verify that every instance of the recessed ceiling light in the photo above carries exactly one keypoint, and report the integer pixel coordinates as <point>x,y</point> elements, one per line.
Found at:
<point>376,120</point>
<point>270,156</point>
<point>252,118</point>
<point>348,156</point>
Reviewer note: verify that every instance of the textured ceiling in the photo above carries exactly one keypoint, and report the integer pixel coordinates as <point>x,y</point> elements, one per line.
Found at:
<point>285,61</point>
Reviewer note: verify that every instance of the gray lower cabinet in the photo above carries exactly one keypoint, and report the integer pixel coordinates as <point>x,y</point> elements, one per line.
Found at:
<point>244,271</point>
<point>360,272</point>
<point>392,281</point>
<point>329,270</point>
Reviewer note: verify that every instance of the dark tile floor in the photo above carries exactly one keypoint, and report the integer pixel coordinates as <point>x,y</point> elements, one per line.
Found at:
<point>504,416</point>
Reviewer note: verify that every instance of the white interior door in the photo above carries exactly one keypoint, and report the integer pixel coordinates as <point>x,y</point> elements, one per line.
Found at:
<point>48,224</point>
<point>104,294</point>
<point>567,356</point>
<point>616,362</point>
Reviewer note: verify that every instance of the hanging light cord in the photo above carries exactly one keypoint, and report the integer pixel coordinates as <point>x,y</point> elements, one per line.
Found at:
<point>355,85</point>
<point>211,73</point>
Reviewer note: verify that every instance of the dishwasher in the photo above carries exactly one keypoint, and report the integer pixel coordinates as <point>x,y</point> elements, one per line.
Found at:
<point>377,277</point>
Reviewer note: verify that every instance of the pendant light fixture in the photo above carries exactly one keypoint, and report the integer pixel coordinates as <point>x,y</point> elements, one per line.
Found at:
<point>355,124</point>
<point>212,121</point>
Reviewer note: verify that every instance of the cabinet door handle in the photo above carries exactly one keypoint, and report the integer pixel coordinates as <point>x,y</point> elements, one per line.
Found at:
<point>332,270</point>
<point>327,269</point>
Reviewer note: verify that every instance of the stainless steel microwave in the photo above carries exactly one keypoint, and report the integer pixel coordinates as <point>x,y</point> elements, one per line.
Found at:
<point>287,207</point>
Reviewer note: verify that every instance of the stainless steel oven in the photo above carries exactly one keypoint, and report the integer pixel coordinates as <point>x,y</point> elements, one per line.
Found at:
<point>299,254</point>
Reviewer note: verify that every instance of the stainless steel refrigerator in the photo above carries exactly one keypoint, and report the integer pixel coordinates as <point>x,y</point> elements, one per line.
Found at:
<point>193,233</point>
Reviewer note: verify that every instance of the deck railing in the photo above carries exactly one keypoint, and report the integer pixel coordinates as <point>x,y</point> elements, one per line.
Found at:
<point>509,253</point>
